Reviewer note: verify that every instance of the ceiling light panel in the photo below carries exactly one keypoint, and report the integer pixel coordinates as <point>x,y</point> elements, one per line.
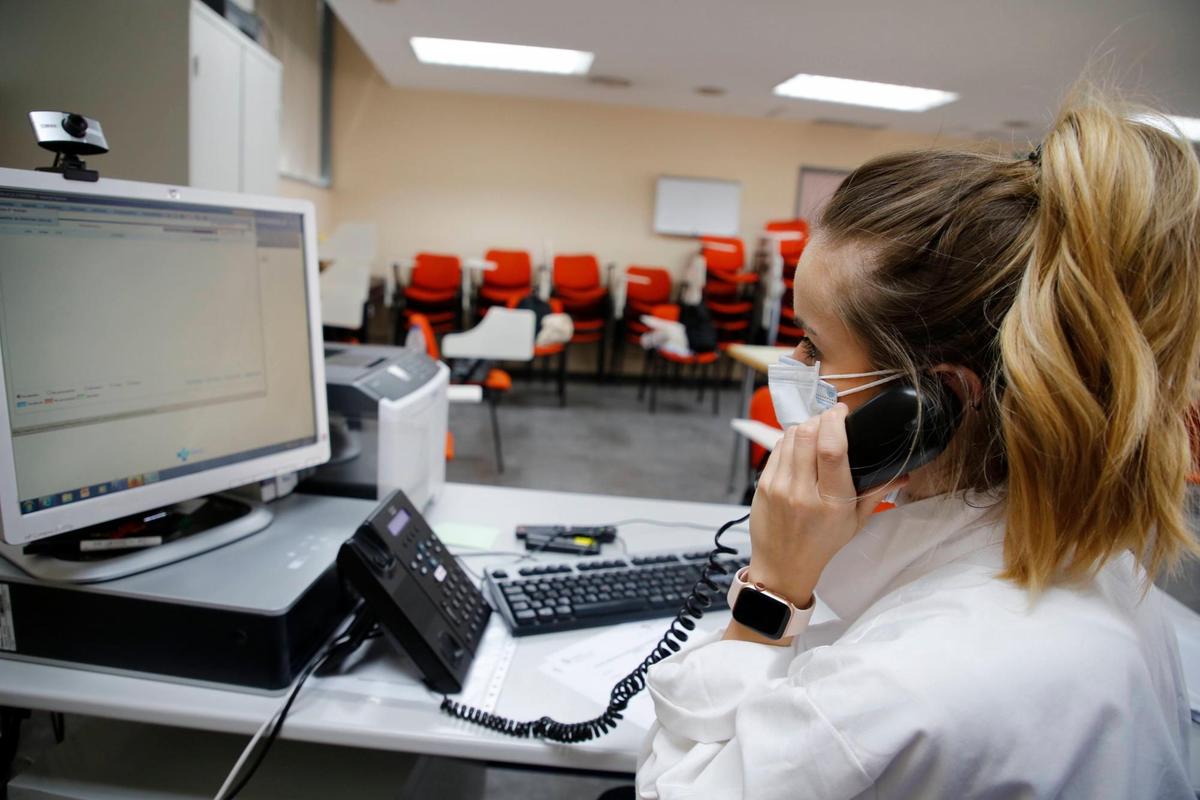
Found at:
<point>491,55</point>
<point>863,93</point>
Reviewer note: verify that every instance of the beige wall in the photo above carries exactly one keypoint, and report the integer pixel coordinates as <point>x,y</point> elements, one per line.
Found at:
<point>322,200</point>
<point>462,173</point>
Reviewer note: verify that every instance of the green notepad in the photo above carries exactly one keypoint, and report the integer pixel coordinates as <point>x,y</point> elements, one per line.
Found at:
<point>466,535</point>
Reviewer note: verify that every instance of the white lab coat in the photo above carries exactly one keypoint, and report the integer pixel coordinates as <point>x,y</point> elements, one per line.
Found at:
<point>937,680</point>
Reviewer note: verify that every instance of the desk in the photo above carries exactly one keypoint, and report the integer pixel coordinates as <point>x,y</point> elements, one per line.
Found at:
<point>402,715</point>
<point>756,358</point>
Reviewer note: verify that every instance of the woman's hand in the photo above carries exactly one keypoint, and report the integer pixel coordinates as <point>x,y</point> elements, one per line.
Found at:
<point>805,508</point>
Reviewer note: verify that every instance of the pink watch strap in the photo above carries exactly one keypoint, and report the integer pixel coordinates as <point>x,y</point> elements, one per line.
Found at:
<point>797,622</point>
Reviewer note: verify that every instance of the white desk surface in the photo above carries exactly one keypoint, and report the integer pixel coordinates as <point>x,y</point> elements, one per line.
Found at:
<point>397,712</point>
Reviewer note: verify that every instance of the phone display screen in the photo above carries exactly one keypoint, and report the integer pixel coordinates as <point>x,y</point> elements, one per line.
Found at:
<point>397,523</point>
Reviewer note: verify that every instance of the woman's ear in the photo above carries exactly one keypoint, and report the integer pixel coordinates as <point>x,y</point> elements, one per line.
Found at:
<point>963,382</point>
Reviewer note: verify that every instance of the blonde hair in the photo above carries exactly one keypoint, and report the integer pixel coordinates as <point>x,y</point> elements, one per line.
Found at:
<point>1069,282</point>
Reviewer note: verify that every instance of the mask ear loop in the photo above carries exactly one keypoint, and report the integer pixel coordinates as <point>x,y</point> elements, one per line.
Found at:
<point>870,385</point>
<point>848,375</point>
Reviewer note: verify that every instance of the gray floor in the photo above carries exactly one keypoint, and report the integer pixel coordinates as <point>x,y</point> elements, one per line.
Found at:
<point>603,441</point>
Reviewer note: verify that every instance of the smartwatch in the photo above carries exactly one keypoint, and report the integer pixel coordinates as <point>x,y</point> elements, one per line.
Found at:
<point>760,609</point>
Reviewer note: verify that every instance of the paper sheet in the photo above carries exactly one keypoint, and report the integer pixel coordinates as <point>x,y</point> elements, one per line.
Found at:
<point>465,535</point>
<point>384,676</point>
<point>593,665</point>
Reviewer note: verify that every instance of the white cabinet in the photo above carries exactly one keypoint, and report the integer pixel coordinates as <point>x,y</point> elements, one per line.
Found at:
<point>184,97</point>
<point>233,108</point>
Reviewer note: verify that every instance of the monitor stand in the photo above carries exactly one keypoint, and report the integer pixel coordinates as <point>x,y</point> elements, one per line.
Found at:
<point>101,553</point>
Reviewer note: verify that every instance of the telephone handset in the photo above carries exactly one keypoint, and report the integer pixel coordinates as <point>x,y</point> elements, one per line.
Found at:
<point>413,587</point>
<point>898,430</point>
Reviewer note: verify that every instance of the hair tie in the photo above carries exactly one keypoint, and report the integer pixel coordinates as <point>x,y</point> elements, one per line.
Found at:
<point>1035,155</point>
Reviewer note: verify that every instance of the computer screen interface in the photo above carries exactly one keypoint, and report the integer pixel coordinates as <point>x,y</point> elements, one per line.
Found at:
<point>144,340</point>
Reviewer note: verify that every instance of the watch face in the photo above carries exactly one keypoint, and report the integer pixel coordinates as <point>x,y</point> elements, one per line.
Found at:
<point>761,612</point>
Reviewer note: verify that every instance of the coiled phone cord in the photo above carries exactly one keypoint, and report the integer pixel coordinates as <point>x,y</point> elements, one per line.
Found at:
<point>693,608</point>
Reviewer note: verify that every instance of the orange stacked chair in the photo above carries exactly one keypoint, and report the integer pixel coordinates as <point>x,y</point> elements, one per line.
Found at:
<point>790,249</point>
<point>511,278</point>
<point>762,409</point>
<point>653,288</point>
<point>577,286</point>
<point>545,352</point>
<point>702,362</point>
<point>494,383</point>
<point>435,291</point>
<point>727,292</point>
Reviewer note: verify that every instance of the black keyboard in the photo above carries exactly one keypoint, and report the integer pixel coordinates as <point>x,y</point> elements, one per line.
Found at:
<point>591,592</point>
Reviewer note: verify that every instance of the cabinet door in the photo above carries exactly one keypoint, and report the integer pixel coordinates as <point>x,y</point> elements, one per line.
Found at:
<point>262,82</point>
<point>214,103</point>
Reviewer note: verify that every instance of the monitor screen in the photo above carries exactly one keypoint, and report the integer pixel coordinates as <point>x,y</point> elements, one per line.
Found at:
<point>144,341</point>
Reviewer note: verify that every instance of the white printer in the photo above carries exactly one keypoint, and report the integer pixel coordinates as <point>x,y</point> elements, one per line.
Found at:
<point>387,423</point>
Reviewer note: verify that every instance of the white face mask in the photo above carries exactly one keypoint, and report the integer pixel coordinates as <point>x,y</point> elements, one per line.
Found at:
<point>800,392</point>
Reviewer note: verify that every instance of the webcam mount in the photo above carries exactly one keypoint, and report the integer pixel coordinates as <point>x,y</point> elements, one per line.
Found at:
<point>69,135</point>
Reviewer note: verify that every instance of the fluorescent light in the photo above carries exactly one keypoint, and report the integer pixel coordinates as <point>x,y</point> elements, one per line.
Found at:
<point>863,93</point>
<point>490,55</point>
<point>1188,126</point>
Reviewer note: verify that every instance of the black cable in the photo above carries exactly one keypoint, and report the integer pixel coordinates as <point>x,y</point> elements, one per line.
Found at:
<point>626,688</point>
<point>360,629</point>
<point>59,726</point>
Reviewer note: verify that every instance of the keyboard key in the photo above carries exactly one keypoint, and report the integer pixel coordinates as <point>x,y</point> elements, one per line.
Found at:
<point>525,617</point>
<point>609,607</point>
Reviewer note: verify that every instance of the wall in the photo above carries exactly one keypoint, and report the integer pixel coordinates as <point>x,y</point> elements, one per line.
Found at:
<point>128,43</point>
<point>462,173</point>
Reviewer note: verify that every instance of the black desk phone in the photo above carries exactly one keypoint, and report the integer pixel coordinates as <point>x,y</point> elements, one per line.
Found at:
<point>422,599</point>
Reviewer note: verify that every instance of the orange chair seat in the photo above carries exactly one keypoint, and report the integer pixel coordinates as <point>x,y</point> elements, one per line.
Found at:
<point>449,446</point>
<point>429,295</point>
<point>547,350</point>
<point>497,380</point>
<point>731,325</point>
<point>743,307</point>
<point>587,325</point>
<point>585,297</point>
<point>498,294</point>
<point>696,358</point>
<point>733,277</point>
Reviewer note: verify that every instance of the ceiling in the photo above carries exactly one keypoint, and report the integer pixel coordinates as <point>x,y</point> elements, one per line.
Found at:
<point>1010,61</point>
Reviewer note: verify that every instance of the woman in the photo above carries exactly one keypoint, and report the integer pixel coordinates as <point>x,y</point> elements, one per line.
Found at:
<point>995,635</point>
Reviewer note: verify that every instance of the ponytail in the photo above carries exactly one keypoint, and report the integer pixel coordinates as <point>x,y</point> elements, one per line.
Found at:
<point>1069,283</point>
<point>1101,352</point>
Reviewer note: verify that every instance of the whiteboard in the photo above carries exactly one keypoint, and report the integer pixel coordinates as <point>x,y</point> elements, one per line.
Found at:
<point>697,206</point>
<point>816,187</point>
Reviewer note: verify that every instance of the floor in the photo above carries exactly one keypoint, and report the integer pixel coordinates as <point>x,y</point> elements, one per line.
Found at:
<point>603,441</point>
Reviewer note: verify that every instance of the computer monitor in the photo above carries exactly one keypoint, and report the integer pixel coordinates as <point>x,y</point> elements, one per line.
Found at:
<point>158,344</point>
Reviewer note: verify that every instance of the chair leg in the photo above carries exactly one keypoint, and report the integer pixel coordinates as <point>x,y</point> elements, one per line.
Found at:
<point>601,353</point>
<point>655,369</point>
<point>494,401</point>
<point>645,375</point>
<point>701,374</point>
<point>716,389</point>
<point>562,378</point>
